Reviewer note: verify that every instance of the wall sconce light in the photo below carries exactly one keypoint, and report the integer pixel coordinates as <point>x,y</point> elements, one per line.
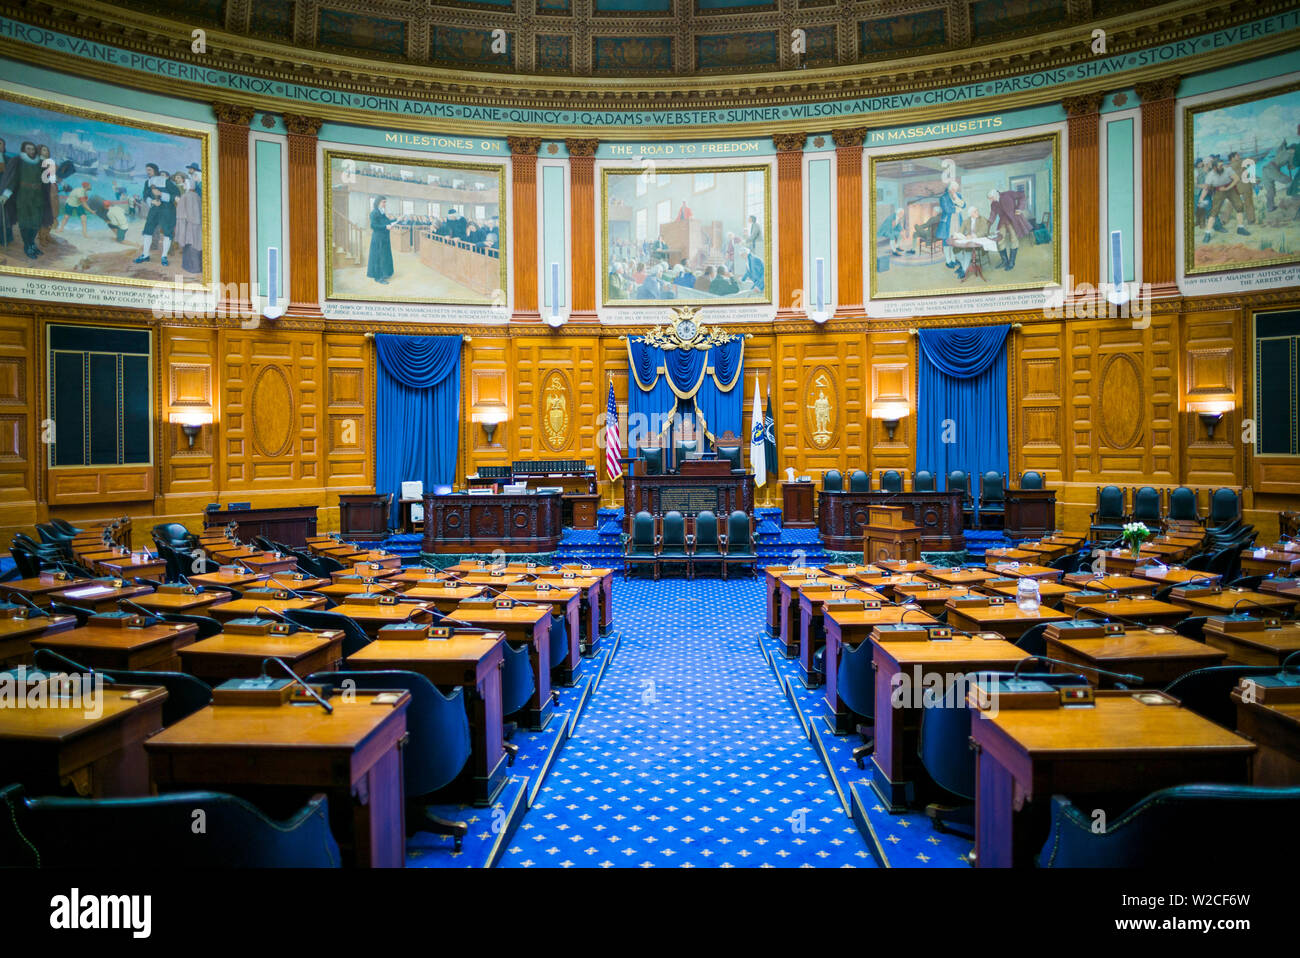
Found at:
<point>490,419</point>
<point>889,415</point>
<point>1211,414</point>
<point>191,423</point>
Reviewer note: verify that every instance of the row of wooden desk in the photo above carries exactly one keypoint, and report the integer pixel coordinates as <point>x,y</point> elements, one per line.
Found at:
<point>281,754</point>
<point>1118,749</point>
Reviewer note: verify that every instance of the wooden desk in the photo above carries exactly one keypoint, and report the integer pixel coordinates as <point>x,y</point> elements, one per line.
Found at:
<point>505,580</point>
<point>95,752</point>
<point>372,618</point>
<point>1158,656</point>
<point>1029,512</point>
<point>153,648</point>
<point>1071,539</point>
<point>1136,607</point>
<point>725,493</point>
<point>16,636</point>
<point>133,566</point>
<point>922,592</point>
<point>230,553</point>
<point>1025,570</point>
<point>529,522</point>
<point>995,557</point>
<point>842,515</point>
<point>959,576</point>
<point>789,620</point>
<point>270,563</point>
<point>228,578</point>
<point>286,754</point>
<point>591,604</point>
<point>1044,552</point>
<point>853,627</point>
<point>565,603</point>
<point>1050,593</point>
<point>297,582</point>
<point>606,577</point>
<point>376,558</point>
<point>38,588</point>
<point>232,655</point>
<point>1273,562</point>
<point>196,603</point>
<point>473,662</point>
<point>290,525</point>
<point>1008,620</point>
<point>248,608</point>
<point>523,625</point>
<point>417,575</point>
<point>812,633</point>
<point>772,596</point>
<point>1258,646</point>
<point>894,762</point>
<point>441,598</point>
<point>1275,730</point>
<point>1102,756</point>
<point>797,505</point>
<point>340,589</point>
<point>1122,584</point>
<point>904,566</point>
<point>1173,575</point>
<point>1219,603</point>
<point>98,595</point>
<point>363,516</point>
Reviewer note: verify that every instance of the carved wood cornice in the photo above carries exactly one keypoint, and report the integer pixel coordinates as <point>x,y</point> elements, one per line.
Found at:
<point>524,145</point>
<point>299,125</point>
<point>1083,104</point>
<point>849,136</point>
<point>1163,88</point>
<point>232,114</point>
<point>581,147</point>
<point>790,142</point>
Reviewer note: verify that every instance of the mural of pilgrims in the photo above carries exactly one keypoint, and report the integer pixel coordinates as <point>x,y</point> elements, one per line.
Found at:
<point>22,184</point>
<point>158,196</point>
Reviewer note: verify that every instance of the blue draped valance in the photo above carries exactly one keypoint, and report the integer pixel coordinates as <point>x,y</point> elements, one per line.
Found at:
<point>418,361</point>
<point>963,353</point>
<point>669,380</point>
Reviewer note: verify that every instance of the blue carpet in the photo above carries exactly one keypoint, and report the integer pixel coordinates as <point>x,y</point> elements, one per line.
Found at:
<point>689,753</point>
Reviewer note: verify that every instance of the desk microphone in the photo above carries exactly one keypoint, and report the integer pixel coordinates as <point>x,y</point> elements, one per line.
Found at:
<point>1107,616</point>
<point>1211,579</point>
<point>1246,598</point>
<point>1126,677</point>
<point>470,626</point>
<point>1286,663</point>
<point>297,678</point>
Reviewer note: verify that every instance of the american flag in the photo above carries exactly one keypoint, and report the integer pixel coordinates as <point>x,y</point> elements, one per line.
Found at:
<point>613,441</point>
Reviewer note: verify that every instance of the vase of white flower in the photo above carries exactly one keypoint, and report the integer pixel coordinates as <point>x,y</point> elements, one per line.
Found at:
<point>1135,533</point>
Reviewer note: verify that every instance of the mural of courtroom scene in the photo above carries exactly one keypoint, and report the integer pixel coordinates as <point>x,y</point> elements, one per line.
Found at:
<point>88,196</point>
<point>413,231</point>
<point>686,235</point>
<point>966,220</point>
<point>1241,185</point>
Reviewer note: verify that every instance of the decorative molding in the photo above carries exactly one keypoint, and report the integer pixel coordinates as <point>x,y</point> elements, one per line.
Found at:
<point>1163,88</point>
<point>1083,104</point>
<point>233,114</point>
<point>849,136</point>
<point>299,125</point>
<point>524,145</point>
<point>578,146</point>
<point>790,142</point>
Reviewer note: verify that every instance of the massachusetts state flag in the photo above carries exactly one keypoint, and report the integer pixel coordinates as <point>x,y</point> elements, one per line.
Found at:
<point>757,442</point>
<point>613,441</point>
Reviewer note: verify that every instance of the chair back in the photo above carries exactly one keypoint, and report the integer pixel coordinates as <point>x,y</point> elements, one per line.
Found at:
<point>559,640</point>
<point>1181,827</point>
<point>833,481</point>
<point>738,537</point>
<point>706,534</point>
<point>207,626</point>
<point>643,534</point>
<point>85,832</point>
<point>436,721</point>
<point>859,481</point>
<point>1208,692</point>
<point>653,456</point>
<point>175,535</point>
<point>991,487</point>
<point>731,454</point>
<point>855,679</point>
<point>673,534</point>
<point>186,694</point>
<point>517,682</point>
<point>1032,479</point>
<point>959,480</point>
<point>1192,627</point>
<point>1110,502</point>
<point>891,480</point>
<point>28,564</point>
<point>1182,505</point>
<point>1146,505</point>
<point>1224,506</point>
<point>923,481</point>
<point>1033,640</point>
<point>354,637</point>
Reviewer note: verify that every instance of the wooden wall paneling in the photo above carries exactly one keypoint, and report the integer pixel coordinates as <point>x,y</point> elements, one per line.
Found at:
<point>20,428</point>
<point>849,217</point>
<point>490,380</point>
<point>1211,372</point>
<point>789,219</point>
<point>349,402</point>
<point>804,365</point>
<point>523,209</point>
<point>304,182</point>
<point>1038,378</point>
<point>1160,191</point>
<point>893,380</point>
<point>233,213</point>
<point>188,372</point>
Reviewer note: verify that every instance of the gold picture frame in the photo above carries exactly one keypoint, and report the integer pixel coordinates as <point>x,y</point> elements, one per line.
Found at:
<point>1191,231</point>
<point>207,164</point>
<point>496,171</point>
<point>606,262</point>
<point>1054,171</point>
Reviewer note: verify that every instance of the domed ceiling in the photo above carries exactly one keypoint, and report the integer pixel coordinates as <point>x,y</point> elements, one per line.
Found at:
<point>638,38</point>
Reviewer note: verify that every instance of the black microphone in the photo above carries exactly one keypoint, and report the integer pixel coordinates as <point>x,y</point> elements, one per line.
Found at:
<point>1106,616</point>
<point>1246,598</point>
<point>297,678</point>
<point>1286,663</point>
<point>1126,677</point>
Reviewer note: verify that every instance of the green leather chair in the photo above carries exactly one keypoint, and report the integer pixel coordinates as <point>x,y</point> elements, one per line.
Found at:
<point>653,457</point>
<point>733,456</point>
<point>1031,479</point>
<point>672,542</point>
<point>1107,521</point>
<point>859,481</point>
<point>1146,506</point>
<point>1182,506</point>
<point>833,481</point>
<point>641,548</point>
<point>739,547</point>
<point>923,481</point>
<point>84,833</point>
<point>891,480</point>
<point>706,545</point>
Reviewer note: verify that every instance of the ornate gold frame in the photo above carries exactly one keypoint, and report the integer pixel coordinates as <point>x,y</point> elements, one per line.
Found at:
<point>869,237</point>
<point>1189,183</point>
<point>208,162</point>
<point>497,169</point>
<point>668,169</point>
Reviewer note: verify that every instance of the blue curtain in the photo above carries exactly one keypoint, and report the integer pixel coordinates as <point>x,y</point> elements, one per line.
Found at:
<point>417,412</point>
<point>962,377</point>
<point>686,380</point>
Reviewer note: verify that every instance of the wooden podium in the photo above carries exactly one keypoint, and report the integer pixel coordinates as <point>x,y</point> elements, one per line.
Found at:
<point>888,535</point>
<point>797,505</point>
<point>1028,513</point>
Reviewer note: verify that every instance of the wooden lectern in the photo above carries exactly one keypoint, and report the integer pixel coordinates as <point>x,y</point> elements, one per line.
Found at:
<point>888,535</point>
